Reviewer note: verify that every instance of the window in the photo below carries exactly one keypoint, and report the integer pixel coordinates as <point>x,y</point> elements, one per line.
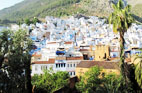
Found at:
<point>74,65</point>
<point>41,67</point>
<point>38,58</point>
<point>36,68</point>
<point>71,73</point>
<point>64,64</point>
<point>70,65</point>
<point>74,73</point>
<point>61,65</point>
<point>56,65</point>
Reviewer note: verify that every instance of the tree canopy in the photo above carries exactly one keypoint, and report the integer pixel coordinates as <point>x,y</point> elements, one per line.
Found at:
<point>15,61</point>
<point>121,19</point>
<point>50,81</point>
<point>96,81</point>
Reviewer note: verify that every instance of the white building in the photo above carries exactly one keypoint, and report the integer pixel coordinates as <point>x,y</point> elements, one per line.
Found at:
<point>38,67</point>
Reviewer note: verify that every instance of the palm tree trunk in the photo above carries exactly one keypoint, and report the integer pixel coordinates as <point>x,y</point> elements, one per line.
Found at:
<point>122,54</point>
<point>1,60</point>
<point>28,85</point>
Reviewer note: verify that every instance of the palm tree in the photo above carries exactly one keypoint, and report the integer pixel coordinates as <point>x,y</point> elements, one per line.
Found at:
<point>121,19</point>
<point>138,69</point>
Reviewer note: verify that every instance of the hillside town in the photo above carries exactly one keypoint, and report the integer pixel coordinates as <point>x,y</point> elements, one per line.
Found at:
<point>71,46</point>
<point>78,43</point>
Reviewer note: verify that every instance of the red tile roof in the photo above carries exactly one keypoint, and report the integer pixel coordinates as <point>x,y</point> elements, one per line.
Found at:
<point>74,58</point>
<point>68,42</point>
<point>84,49</point>
<point>36,55</point>
<point>51,42</point>
<point>50,61</point>
<point>105,65</point>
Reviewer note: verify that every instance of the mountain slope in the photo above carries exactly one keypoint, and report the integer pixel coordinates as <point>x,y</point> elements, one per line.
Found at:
<point>42,8</point>
<point>39,8</point>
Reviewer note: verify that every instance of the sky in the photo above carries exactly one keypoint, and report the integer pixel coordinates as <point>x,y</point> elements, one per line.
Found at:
<point>8,3</point>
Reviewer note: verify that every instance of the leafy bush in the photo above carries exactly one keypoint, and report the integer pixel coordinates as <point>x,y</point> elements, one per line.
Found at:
<point>50,81</point>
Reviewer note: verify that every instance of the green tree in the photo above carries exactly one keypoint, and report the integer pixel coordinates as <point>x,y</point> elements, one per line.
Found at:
<point>94,81</point>
<point>138,70</point>
<point>50,81</point>
<point>113,83</point>
<point>28,21</point>
<point>90,81</point>
<point>15,62</point>
<point>35,20</point>
<point>121,19</point>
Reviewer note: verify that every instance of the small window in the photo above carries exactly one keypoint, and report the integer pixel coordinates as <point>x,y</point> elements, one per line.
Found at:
<point>46,68</point>
<point>71,73</point>
<point>36,68</point>
<point>70,65</point>
<point>74,65</point>
<point>74,73</point>
<point>61,65</point>
<point>38,59</point>
<point>56,65</point>
<point>64,64</point>
<point>41,67</point>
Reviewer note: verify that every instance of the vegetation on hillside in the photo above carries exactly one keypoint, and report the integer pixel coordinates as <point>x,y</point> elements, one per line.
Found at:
<point>137,10</point>
<point>40,8</point>
<point>59,8</point>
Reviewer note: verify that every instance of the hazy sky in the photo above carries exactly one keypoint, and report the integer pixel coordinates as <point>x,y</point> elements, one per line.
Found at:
<point>8,3</point>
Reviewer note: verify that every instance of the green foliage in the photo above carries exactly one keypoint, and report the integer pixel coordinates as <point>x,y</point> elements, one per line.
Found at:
<point>90,82</point>
<point>50,81</point>
<point>40,9</point>
<point>114,84</point>
<point>138,70</point>
<point>28,21</point>
<point>121,17</point>
<point>6,22</point>
<point>35,20</point>
<point>32,21</point>
<point>94,81</point>
<point>59,8</point>
<point>15,62</point>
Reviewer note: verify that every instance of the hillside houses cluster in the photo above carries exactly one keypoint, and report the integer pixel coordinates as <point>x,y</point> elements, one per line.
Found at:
<point>62,44</point>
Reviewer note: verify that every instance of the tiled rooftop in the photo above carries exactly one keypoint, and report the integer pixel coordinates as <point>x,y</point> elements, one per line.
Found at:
<point>105,65</point>
<point>74,58</point>
<point>50,61</point>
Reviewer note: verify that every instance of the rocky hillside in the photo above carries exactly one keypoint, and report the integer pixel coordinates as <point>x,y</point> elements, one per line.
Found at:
<point>58,8</point>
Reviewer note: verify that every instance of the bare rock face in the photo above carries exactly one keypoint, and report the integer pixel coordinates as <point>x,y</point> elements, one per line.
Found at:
<point>104,7</point>
<point>134,2</point>
<point>98,7</point>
